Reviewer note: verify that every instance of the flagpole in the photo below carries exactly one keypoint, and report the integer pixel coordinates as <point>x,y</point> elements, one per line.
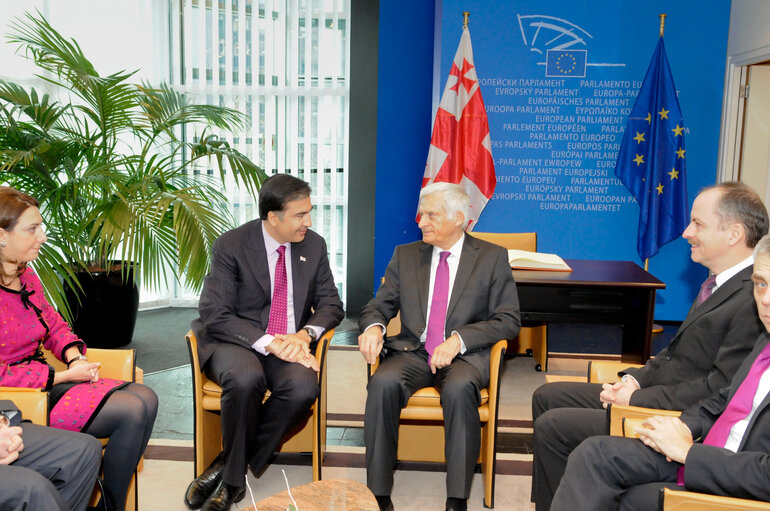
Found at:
<point>466,14</point>
<point>656,329</point>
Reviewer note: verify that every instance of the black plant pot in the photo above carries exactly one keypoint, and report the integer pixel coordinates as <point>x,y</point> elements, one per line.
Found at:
<point>105,317</point>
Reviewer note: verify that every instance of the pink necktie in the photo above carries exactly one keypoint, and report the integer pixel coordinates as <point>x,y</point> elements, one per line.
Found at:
<point>278,316</point>
<point>739,406</point>
<point>438,304</point>
<point>706,289</point>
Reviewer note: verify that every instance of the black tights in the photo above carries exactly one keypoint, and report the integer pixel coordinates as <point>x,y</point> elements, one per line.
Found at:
<point>126,418</point>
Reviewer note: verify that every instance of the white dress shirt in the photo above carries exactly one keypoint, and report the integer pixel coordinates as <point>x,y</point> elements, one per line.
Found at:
<point>271,247</point>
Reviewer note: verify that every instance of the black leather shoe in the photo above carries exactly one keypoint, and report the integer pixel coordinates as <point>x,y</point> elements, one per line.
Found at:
<point>453,504</point>
<point>223,497</point>
<point>384,502</point>
<point>203,485</point>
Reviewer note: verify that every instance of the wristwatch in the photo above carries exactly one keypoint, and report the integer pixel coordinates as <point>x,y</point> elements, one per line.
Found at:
<point>79,356</point>
<point>311,333</point>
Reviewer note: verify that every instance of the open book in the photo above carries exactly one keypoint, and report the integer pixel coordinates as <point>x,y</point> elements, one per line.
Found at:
<point>525,260</point>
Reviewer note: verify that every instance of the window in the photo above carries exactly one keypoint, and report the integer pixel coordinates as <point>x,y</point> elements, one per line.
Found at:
<point>284,63</point>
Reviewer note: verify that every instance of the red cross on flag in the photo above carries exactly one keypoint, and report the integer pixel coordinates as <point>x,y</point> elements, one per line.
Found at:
<point>460,148</point>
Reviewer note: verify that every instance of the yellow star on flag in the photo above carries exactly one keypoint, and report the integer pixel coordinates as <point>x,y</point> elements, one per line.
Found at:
<point>648,118</point>
<point>680,153</point>
<point>639,159</point>
<point>677,131</point>
<point>659,188</point>
<point>639,137</point>
<point>663,113</point>
<point>674,174</point>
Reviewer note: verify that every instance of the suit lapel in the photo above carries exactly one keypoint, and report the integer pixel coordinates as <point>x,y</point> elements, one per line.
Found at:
<point>299,279</point>
<point>468,258</point>
<point>725,291</point>
<point>423,279</point>
<point>255,244</point>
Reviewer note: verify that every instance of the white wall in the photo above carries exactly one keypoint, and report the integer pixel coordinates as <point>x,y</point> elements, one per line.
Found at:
<point>748,27</point>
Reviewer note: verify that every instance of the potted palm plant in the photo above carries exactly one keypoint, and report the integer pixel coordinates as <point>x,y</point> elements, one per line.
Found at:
<point>109,163</point>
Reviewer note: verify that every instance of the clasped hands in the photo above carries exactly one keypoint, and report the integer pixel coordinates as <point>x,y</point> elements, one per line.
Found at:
<point>294,348</point>
<point>11,444</point>
<point>78,371</point>
<point>370,344</point>
<point>667,435</point>
<point>618,393</point>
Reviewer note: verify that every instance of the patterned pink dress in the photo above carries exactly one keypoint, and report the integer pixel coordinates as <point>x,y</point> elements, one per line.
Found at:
<point>28,321</point>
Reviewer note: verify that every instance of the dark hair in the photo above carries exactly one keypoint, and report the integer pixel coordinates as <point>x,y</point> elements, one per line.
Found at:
<point>12,204</point>
<point>279,189</point>
<point>739,203</point>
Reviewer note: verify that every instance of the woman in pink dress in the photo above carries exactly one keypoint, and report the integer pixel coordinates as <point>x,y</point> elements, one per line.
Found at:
<point>79,399</point>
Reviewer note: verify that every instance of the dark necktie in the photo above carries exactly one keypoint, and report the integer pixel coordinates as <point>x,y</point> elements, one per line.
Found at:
<point>278,314</point>
<point>438,305</point>
<point>739,406</point>
<point>706,289</point>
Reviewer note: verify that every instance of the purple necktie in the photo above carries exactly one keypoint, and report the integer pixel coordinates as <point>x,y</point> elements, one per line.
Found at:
<point>278,315</point>
<point>438,304</point>
<point>739,406</point>
<point>705,289</point>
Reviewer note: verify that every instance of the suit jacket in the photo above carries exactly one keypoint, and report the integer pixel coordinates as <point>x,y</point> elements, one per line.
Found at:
<point>483,308</point>
<point>235,302</point>
<point>713,340</point>
<point>710,469</point>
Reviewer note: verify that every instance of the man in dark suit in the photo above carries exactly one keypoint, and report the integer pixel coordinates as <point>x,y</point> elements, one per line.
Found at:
<point>44,468</point>
<point>727,220</point>
<point>269,296</point>
<point>730,457</point>
<point>457,297</point>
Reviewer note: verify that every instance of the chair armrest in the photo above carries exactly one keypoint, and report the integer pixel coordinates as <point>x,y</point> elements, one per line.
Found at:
<point>606,371</point>
<point>673,500</point>
<point>33,403</point>
<point>625,420</point>
<point>117,364</point>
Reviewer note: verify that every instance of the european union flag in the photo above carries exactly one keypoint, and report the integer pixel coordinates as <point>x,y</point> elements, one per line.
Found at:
<point>651,161</point>
<point>561,63</point>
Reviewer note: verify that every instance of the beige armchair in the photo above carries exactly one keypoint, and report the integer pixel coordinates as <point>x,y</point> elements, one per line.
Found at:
<point>310,436</point>
<point>421,431</point>
<point>33,403</point>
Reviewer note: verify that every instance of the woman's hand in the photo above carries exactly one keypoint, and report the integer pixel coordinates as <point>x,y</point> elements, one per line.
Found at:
<point>80,370</point>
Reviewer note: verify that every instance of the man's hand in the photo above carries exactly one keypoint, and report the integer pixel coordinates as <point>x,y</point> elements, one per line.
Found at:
<point>668,435</point>
<point>370,343</point>
<point>618,393</point>
<point>445,353</point>
<point>292,348</point>
<point>10,444</point>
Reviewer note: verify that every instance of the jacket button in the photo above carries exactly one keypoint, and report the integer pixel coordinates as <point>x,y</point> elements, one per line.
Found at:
<point>406,349</point>
<point>668,357</point>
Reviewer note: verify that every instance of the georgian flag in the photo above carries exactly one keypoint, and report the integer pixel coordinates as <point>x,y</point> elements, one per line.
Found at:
<point>460,148</point>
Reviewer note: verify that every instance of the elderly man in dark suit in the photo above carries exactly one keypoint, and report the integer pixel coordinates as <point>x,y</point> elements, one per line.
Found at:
<point>269,296</point>
<point>731,453</point>
<point>457,298</point>
<point>727,221</point>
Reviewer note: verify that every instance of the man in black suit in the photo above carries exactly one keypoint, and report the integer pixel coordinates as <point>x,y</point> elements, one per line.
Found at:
<point>269,296</point>
<point>44,468</point>
<point>730,457</point>
<point>457,298</point>
<point>727,220</point>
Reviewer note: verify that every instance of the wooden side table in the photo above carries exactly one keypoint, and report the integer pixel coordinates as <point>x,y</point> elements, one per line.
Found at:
<point>325,495</point>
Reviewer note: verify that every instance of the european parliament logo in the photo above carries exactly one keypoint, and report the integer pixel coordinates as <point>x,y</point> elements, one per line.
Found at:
<point>561,63</point>
<point>559,39</point>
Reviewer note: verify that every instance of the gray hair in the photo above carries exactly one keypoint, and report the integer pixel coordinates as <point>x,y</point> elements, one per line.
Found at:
<point>455,199</point>
<point>762,247</point>
<point>739,203</point>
